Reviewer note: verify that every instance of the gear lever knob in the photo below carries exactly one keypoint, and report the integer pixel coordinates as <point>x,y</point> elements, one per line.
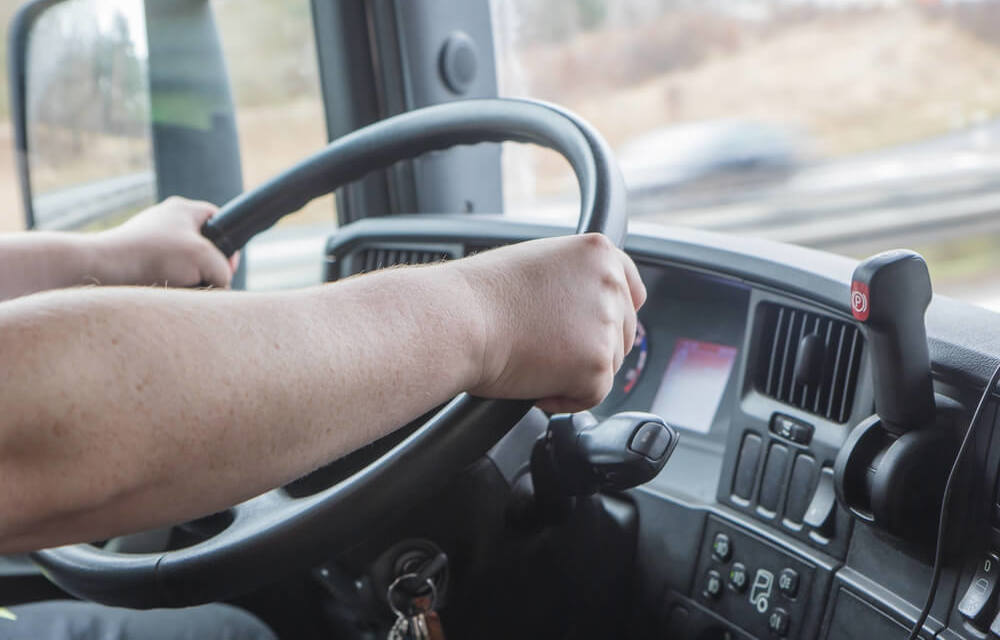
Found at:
<point>889,296</point>
<point>579,456</point>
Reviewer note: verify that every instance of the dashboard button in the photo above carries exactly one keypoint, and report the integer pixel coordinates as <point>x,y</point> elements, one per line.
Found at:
<point>977,603</point>
<point>792,429</point>
<point>774,473</point>
<point>650,440</point>
<point>778,622</point>
<point>713,585</point>
<point>738,577</point>
<point>746,467</point>
<point>800,488</point>
<point>722,549</point>
<point>822,507</point>
<point>788,583</point>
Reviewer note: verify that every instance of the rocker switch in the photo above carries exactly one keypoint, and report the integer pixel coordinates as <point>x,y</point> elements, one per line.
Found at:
<point>977,604</point>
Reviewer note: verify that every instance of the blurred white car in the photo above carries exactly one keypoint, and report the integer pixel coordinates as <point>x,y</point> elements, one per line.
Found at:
<point>709,159</point>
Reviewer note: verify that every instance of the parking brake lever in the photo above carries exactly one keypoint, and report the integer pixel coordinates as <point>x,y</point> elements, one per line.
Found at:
<point>890,472</point>
<point>889,296</point>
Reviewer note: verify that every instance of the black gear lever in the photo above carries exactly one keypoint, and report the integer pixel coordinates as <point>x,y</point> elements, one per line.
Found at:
<point>579,456</point>
<point>889,295</point>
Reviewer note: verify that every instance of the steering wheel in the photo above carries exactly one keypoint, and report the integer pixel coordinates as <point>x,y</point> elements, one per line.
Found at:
<point>276,532</point>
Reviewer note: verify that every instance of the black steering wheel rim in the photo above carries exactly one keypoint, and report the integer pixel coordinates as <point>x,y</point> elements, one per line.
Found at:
<point>266,530</point>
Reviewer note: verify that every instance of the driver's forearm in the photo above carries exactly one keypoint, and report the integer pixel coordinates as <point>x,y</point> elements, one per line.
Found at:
<point>125,409</point>
<point>39,261</point>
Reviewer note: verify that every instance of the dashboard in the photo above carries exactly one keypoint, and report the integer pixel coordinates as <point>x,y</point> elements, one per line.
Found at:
<point>681,366</point>
<point>742,534</point>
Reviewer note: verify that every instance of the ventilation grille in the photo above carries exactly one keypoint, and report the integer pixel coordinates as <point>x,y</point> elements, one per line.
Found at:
<point>783,329</point>
<point>374,258</point>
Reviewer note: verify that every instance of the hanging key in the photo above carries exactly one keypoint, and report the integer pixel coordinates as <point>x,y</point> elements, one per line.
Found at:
<point>430,619</point>
<point>416,618</point>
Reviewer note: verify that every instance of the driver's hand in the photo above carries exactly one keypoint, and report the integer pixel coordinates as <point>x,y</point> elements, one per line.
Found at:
<point>557,317</point>
<point>163,245</point>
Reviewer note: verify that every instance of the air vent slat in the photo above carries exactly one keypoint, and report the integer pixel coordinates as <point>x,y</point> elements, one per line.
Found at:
<point>775,345</point>
<point>823,386</point>
<point>786,349</point>
<point>836,369</point>
<point>804,401</point>
<point>806,320</point>
<point>850,376</point>
<point>374,258</point>
<point>830,391</point>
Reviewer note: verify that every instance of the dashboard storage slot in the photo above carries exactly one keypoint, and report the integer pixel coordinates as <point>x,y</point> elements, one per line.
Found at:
<point>808,360</point>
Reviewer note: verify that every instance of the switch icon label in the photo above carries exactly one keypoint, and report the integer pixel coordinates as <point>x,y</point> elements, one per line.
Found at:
<point>760,593</point>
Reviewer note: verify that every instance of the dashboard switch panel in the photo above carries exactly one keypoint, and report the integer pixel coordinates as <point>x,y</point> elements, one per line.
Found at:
<point>775,596</point>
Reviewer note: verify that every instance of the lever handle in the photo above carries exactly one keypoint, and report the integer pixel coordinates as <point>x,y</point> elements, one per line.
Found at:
<point>618,453</point>
<point>889,296</point>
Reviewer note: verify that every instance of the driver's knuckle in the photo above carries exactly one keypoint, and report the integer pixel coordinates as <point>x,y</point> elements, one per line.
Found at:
<point>611,279</point>
<point>597,243</point>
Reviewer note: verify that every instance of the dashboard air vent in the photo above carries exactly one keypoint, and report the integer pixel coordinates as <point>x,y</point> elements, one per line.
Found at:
<point>374,258</point>
<point>835,364</point>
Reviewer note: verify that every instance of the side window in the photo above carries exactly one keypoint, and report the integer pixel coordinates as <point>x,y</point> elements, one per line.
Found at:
<point>270,53</point>
<point>88,115</point>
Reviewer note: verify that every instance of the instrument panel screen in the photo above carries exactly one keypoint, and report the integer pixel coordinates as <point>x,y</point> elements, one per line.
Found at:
<point>694,383</point>
<point>689,339</point>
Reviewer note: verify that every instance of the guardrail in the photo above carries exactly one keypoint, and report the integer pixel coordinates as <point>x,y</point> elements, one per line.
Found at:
<point>80,205</point>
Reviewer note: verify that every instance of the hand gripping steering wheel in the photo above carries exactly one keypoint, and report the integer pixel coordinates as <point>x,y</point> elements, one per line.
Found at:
<point>275,533</point>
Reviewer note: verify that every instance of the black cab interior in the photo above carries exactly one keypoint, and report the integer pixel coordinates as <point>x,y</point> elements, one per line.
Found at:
<point>804,441</point>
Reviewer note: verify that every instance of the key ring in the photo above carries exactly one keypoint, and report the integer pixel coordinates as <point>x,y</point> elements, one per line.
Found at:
<point>395,585</point>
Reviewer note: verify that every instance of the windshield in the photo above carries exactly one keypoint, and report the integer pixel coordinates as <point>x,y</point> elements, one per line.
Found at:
<point>851,126</point>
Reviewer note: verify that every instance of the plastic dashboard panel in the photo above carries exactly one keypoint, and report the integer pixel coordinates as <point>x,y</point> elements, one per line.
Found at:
<point>855,582</point>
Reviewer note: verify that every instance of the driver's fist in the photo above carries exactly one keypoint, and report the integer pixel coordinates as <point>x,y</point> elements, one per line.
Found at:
<point>557,317</point>
<point>163,245</point>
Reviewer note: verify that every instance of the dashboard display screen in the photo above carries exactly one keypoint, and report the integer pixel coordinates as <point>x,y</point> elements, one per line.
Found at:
<point>694,383</point>
<point>683,366</point>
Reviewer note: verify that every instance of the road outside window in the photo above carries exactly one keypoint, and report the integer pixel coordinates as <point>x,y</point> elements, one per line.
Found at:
<point>852,126</point>
<point>270,52</point>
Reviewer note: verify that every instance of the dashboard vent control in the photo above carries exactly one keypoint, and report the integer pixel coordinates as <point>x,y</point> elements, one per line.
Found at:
<point>808,360</point>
